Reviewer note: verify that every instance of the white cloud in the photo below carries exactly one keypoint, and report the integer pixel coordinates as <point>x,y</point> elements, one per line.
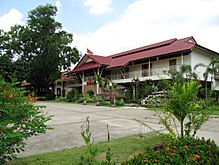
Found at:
<point>58,4</point>
<point>98,6</point>
<point>145,22</point>
<point>11,18</point>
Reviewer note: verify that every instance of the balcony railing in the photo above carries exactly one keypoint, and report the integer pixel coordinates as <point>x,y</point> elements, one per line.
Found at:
<point>145,72</point>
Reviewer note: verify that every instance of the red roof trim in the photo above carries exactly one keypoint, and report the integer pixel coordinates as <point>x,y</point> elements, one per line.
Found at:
<point>86,66</point>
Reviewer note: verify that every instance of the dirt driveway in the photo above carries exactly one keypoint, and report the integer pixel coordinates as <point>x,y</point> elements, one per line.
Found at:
<point>68,119</point>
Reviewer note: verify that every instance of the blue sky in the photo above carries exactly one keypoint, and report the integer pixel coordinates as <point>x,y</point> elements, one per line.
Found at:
<point>111,26</point>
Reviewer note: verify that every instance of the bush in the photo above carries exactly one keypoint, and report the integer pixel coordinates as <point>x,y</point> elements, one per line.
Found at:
<point>91,93</point>
<point>19,120</point>
<point>182,151</point>
<point>72,96</point>
<point>120,102</point>
<point>62,99</point>
<point>104,103</point>
<point>129,93</point>
<point>86,98</point>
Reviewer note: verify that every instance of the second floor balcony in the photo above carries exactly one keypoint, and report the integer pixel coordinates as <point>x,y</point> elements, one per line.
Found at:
<point>145,72</point>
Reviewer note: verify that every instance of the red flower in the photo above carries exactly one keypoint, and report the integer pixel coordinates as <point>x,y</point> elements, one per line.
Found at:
<point>155,160</point>
<point>197,156</point>
<point>167,149</point>
<point>173,154</point>
<point>186,147</point>
<point>27,102</point>
<point>174,147</point>
<point>145,160</point>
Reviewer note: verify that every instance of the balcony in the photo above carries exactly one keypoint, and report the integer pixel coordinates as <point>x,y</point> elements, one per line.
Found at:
<point>155,72</point>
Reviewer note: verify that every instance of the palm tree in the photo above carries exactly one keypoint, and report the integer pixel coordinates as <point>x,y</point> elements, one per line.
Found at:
<point>135,84</point>
<point>211,69</point>
<point>113,88</point>
<point>103,83</point>
<point>185,74</point>
<point>107,85</point>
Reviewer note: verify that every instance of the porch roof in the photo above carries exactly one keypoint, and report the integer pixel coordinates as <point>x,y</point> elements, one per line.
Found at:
<point>85,66</point>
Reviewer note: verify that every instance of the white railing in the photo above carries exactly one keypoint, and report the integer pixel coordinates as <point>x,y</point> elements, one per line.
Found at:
<point>145,72</point>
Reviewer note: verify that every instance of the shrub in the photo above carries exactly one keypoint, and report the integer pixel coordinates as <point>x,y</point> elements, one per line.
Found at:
<point>120,102</point>
<point>105,103</point>
<point>91,93</point>
<point>72,96</point>
<point>182,151</point>
<point>129,94</point>
<point>61,99</point>
<point>19,120</point>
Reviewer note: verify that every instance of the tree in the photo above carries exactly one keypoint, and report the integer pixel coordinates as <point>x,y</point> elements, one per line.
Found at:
<point>113,88</point>
<point>185,74</point>
<point>19,120</point>
<point>211,69</point>
<point>107,86</point>
<point>6,67</point>
<point>45,46</point>
<point>135,86</point>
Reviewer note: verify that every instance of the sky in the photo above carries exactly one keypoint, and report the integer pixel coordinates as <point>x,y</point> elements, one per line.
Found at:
<point>111,26</point>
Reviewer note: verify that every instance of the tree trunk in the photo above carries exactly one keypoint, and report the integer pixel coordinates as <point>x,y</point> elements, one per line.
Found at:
<point>206,89</point>
<point>182,133</point>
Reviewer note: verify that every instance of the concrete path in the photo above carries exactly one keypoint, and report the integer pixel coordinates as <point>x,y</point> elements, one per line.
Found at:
<point>68,119</point>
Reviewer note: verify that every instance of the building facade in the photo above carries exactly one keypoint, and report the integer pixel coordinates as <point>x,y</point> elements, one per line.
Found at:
<point>148,62</point>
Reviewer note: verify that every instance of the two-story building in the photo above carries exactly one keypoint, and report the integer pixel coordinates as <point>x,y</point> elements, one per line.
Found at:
<point>147,62</point>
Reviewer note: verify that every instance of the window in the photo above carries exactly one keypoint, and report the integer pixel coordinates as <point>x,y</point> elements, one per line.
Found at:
<point>172,64</point>
<point>145,70</point>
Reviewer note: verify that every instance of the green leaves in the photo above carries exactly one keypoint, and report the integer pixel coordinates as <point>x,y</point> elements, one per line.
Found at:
<point>19,120</point>
<point>184,103</point>
<point>41,47</point>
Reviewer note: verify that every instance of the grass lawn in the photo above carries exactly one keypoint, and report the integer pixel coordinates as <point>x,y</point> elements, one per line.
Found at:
<point>122,148</point>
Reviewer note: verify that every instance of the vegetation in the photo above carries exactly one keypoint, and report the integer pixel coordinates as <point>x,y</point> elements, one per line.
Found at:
<point>19,120</point>
<point>122,149</point>
<point>41,48</point>
<point>72,96</point>
<point>211,69</point>
<point>135,87</point>
<point>182,151</point>
<point>107,86</point>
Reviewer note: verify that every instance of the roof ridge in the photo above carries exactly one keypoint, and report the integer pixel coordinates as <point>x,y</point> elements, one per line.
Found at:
<point>143,48</point>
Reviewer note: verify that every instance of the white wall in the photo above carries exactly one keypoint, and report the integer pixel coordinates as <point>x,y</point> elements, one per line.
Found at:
<point>187,59</point>
<point>200,56</point>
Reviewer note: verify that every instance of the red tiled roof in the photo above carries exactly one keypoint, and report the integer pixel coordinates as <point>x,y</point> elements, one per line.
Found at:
<point>159,49</point>
<point>86,66</point>
<point>144,48</point>
<point>101,59</point>
<point>155,50</point>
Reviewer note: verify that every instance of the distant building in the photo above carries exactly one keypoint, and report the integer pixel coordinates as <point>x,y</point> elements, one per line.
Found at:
<point>147,62</point>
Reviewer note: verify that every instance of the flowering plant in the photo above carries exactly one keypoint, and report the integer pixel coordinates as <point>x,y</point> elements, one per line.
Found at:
<point>184,151</point>
<point>19,120</point>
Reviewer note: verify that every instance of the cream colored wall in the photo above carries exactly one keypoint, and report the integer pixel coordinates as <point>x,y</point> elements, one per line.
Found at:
<point>160,63</point>
<point>200,56</point>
